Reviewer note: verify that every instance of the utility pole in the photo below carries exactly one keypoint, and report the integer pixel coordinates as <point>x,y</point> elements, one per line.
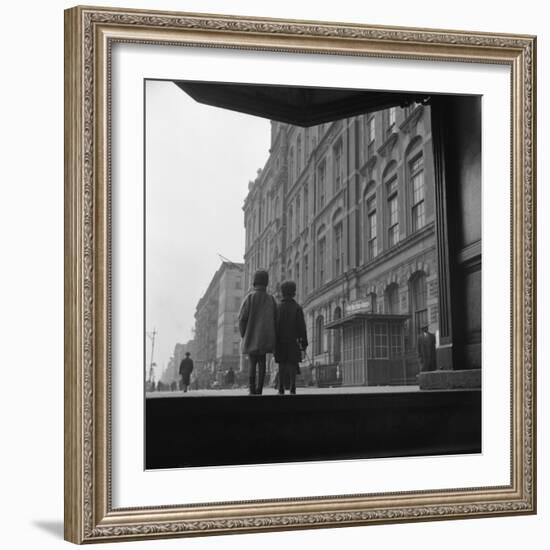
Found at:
<point>152,336</point>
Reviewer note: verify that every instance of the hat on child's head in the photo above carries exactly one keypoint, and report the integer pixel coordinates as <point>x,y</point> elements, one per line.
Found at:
<point>261,278</point>
<point>288,289</point>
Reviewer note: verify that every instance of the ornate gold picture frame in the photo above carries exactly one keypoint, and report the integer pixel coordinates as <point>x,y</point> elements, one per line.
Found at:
<point>90,34</point>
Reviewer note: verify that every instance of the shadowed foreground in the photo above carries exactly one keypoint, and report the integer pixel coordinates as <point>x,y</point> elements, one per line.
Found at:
<point>227,430</point>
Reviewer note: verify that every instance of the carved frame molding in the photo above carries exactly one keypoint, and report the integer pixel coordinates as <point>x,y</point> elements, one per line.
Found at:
<point>89,35</point>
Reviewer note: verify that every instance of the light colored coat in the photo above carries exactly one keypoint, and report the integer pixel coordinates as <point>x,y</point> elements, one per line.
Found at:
<point>257,322</point>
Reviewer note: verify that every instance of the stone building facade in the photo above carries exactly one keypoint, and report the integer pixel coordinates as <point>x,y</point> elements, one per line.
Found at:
<point>346,210</point>
<point>217,338</point>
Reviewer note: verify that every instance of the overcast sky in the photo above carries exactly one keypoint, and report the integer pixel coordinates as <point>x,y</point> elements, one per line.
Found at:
<point>199,161</point>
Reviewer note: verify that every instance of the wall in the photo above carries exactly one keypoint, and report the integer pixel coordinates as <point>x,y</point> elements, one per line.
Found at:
<point>31,289</point>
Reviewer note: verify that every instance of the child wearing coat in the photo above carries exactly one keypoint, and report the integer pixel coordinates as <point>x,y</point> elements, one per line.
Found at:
<point>257,328</point>
<point>291,337</point>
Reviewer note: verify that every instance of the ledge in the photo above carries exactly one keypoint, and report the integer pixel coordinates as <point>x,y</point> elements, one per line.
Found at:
<point>213,431</point>
<point>450,379</point>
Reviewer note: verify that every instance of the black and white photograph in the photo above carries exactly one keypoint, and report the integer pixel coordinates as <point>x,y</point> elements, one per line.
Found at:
<point>313,274</point>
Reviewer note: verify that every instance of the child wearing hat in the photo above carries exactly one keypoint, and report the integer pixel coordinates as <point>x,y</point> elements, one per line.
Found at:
<point>291,338</point>
<point>257,328</point>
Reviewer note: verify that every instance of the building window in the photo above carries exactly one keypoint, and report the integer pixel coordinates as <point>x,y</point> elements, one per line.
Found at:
<point>372,302</point>
<point>392,299</point>
<point>370,209</point>
<point>297,275</point>
<point>298,206</point>
<point>389,117</point>
<point>322,259</point>
<point>337,155</point>
<point>393,213</point>
<point>306,275</point>
<point>236,348</point>
<point>371,132</point>
<point>416,168</point>
<point>238,284</point>
<point>396,340</point>
<point>290,222</point>
<point>319,329</point>
<point>337,337</point>
<point>298,156</point>
<point>306,204</point>
<point>391,120</point>
<point>321,180</point>
<point>380,341</point>
<point>338,250</point>
<point>418,293</point>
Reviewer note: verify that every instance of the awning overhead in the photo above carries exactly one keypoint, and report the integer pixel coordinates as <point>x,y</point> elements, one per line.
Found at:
<point>354,317</point>
<point>296,105</point>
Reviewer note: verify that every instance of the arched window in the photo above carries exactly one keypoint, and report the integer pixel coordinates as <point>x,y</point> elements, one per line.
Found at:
<point>418,301</point>
<point>319,333</point>
<point>337,350</point>
<point>416,178</point>
<point>392,199</point>
<point>392,298</point>
<point>371,227</point>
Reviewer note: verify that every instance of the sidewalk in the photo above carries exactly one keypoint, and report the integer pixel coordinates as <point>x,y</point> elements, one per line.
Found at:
<point>273,391</point>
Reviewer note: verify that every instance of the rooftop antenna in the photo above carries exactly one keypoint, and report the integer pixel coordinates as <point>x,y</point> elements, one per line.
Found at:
<point>227,260</point>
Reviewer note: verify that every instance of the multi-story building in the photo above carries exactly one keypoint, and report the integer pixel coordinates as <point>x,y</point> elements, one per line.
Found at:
<point>346,210</point>
<point>217,338</point>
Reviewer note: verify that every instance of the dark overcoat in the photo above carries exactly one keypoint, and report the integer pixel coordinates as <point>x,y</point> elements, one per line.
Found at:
<point>291,332</point>
<point>186,368</point>
<point>257,322</point>
<point>426,351</point>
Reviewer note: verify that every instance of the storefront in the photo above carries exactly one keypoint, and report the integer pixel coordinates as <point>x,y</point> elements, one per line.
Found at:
<point>373,349</point>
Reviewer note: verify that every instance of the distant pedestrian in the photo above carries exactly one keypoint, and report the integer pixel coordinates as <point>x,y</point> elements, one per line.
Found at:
<point>230,377</point>
<point>186,368</point>
<point>291,339</point>
<point>257,328</point>
<point>426,350</point>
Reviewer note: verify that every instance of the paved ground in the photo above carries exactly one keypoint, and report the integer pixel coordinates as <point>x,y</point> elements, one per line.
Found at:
<point>299,391</point>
